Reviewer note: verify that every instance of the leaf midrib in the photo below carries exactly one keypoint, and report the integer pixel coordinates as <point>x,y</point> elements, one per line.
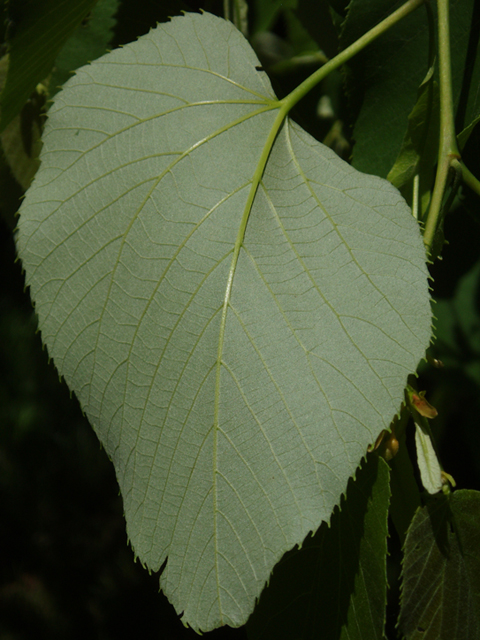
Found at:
<point>257,176</point>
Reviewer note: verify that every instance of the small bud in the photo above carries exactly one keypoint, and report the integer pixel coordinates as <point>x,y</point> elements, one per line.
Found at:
<point>422,405</point>
<point>447,479</point>
<point>387,444</point>
<point>391,448</point>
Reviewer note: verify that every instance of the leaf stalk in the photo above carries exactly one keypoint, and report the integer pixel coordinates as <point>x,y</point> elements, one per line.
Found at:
<point>470,180</point>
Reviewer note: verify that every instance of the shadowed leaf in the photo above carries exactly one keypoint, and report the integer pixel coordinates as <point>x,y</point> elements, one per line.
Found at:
<point>441,573</point>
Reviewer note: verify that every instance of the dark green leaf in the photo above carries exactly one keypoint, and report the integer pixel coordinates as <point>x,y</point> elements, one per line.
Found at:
<point>419,150</point>
<point>41,29</point>
<point>316,18</point>
<point>387,74</point>
<point>465,134</point>
<point>405,498</point>
<point>336,583</point>
<point>469,103</point>
<point>20,140</point>
<point>457,325</point>
<point>384,81</point>
<point>265,12</point>
<point>297,35</point>
<point>441,573</point>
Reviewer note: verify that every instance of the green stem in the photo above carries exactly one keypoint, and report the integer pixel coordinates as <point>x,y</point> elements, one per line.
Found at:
<point>297,94</point>
<point>448,150</point>
<point>448,142</point>
<point>470,180</point>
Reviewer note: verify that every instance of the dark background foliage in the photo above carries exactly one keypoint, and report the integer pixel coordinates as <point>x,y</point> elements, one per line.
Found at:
<point>66,570</point>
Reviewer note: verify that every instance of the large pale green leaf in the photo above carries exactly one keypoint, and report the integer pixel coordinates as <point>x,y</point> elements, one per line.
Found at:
<point>237,337</point>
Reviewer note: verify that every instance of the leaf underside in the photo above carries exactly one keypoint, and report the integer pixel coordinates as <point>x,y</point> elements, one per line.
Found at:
<point>236,339</point>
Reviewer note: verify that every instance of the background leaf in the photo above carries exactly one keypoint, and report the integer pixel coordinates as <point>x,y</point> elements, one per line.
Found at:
<point>265,13</point>
<point>88,42</point>
<point>38,30</point>
<point>317,19</point>
<point>385,77</point>
<point>235,397</point>
<point>337,581</point>
<point>457,325</point>
<point>442,600</point>
<point>468,113</point>
<point>419,151</point>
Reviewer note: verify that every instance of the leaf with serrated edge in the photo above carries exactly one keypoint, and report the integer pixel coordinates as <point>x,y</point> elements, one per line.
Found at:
<point>236,338</point>
<point>441,577</point>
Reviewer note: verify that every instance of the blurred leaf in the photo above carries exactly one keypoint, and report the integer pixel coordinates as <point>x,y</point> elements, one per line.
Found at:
<point>271,49</point>
<point>405,498</point>
<point>265,13</point>
<point>41,29</point>
<point>464,135</point>
<point>88,42</point>
<point>237,12</point>
<point>20,139</point>
<point>387,74</point>
<point>441,571</point>
<point>384,81</point>
<point>20,147</point>
<point>316,18</point>
<point>297,35</point>
<point>10,194</point>
<point>469,103</point>
<point>335,584</point>
<point>457,325</point>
